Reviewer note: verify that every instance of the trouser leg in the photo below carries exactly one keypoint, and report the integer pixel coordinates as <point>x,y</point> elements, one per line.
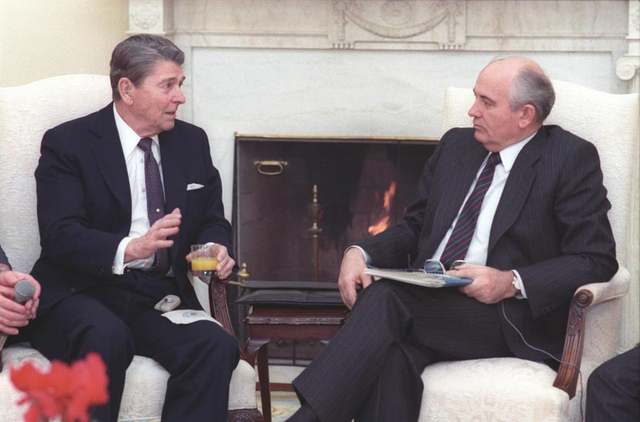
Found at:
<point>613,389</point>
<point>200,358</point>
<point>78,325</point>
<point>397,393</point>
<point>389,317</point>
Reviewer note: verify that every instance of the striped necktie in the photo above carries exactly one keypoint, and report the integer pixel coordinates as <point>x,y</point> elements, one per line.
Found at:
<point>458,244</point>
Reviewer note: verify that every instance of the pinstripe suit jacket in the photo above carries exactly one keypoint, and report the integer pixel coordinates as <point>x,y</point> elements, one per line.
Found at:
<point>551,226</point>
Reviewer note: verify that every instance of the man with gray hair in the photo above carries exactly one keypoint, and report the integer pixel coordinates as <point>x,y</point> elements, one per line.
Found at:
<point>122,195</point>
<point>522,204</point>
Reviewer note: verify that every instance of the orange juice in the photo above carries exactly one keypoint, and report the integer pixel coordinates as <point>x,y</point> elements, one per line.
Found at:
<point>204,263</point>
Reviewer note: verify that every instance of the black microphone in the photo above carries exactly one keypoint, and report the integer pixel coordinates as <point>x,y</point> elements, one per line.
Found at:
<point>22,292</point>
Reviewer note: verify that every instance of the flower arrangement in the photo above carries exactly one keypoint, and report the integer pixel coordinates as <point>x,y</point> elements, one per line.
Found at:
<point>64,391</point>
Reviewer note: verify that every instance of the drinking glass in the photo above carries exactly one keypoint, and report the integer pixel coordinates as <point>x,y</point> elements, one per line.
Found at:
<point>204,262</point>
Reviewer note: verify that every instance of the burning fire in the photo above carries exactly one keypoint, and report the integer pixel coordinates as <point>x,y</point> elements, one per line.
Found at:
<point>383,221</point>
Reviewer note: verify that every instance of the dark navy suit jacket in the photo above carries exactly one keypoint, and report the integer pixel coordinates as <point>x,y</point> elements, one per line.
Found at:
<point>84,203</point>
<point>551,226</point>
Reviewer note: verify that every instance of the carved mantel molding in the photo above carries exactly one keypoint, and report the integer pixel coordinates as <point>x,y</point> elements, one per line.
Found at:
<point>399,20</point>
<point>150,17</point>
<point>628,66</point>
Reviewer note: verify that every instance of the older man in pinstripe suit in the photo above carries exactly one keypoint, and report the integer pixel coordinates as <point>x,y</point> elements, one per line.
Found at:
<point>531,236</point>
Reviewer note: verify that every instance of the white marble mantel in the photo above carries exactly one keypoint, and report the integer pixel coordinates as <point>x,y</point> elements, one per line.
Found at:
<point>379,67</point>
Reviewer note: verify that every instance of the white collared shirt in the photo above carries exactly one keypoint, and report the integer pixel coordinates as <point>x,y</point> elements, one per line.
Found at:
<point>134,159</point>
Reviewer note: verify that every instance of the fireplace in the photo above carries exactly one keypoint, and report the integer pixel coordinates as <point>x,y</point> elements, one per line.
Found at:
<point>300,202</point>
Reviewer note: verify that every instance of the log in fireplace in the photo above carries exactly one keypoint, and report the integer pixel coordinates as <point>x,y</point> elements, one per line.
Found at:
<point>299,202</point>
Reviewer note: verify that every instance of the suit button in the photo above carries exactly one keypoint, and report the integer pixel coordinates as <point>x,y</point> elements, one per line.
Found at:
<point>73,290</point>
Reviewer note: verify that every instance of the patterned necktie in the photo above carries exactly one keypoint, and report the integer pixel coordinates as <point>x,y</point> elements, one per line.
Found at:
<point>155,202</point>
<point>458,244</point>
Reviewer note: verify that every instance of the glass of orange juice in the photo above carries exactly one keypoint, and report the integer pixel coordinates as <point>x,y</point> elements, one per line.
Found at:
<point>203,262</point>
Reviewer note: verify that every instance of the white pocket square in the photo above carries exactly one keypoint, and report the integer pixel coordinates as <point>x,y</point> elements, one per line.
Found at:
<point>194,186</point>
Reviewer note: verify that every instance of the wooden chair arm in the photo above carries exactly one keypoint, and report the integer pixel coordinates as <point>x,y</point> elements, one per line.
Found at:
<point>218,304</point>
<point>567,378</point>
<point>585,297</point>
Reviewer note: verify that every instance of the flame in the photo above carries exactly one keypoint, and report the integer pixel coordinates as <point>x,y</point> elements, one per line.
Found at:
<point>383,221</point>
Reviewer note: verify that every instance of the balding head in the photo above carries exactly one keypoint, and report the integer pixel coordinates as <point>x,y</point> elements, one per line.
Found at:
<point>513,97</point>
<point>528,84</point>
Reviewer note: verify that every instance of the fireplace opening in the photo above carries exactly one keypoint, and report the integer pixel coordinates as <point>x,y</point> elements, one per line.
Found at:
<point>300,202</point>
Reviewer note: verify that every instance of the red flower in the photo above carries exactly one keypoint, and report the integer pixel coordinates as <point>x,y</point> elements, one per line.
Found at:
<point>64,391</point>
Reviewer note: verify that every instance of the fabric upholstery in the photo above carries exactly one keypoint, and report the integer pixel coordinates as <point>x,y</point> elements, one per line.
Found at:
<point>510,389</point>
<point>26,112</point>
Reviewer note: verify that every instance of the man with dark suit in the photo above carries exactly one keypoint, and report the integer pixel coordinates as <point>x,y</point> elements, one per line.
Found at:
<point>122,194</point>
<point>613,389</point>
<point>533,229</point>
<point>13,315</point>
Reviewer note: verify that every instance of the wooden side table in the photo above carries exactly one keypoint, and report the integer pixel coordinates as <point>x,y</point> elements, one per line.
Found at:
<point>288,321</point>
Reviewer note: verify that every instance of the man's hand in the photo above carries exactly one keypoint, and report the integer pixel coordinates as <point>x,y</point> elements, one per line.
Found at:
<point>352,273</point>
<point>148,244</point>
<point>13,315</point>
<point>489,285</point>
<point>225,262</point>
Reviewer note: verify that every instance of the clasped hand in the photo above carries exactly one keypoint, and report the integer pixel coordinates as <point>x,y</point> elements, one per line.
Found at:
<point>12,314</point>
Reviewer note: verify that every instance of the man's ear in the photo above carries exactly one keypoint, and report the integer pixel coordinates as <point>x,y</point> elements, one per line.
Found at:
<point>126,88</point>
<point>527,115</point>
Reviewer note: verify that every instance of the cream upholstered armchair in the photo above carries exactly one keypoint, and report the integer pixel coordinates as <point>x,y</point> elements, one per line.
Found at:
<point>511,389</point>
<point>26,112</point>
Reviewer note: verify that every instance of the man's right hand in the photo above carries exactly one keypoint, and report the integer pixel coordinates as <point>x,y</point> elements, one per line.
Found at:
<point>148,244</point>
<point>12,314</point>
<point>352,273</point>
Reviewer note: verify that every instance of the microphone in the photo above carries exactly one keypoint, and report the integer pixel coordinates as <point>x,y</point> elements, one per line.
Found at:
<point>22,292</point>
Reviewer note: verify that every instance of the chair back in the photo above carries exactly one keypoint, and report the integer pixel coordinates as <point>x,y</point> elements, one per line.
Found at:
<point>26,112</point>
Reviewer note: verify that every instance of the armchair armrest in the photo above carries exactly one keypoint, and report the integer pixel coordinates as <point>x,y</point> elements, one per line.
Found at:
<point>218,304</point>
<point>585,298</point>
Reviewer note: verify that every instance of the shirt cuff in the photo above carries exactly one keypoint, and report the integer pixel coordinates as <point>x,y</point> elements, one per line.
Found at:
<point>367,258</point>
<point>119,266</point>
<point>520,286</point>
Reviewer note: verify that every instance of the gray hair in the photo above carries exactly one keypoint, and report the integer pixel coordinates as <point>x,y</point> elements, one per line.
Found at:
<point>532,86</point>
<point>136,57</point>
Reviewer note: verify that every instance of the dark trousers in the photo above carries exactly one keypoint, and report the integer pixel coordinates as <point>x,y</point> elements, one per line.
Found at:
<point>613,389</point>
<point>116,319</point>
<point>371,370</point>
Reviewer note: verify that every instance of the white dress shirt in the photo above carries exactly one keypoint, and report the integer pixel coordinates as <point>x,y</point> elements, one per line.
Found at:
<point>479,246</point>
<point>134,158</point>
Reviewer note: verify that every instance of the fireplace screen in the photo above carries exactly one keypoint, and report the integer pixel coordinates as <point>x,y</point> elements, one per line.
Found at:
<point>299,202</point>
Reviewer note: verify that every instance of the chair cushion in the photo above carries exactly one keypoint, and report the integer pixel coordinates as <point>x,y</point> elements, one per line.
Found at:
<point>499,389</point>
<point>144,390</point>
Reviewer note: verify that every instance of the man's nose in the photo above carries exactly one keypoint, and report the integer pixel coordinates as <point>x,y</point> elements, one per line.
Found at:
<point>473,111</point>
<point>179,96</point>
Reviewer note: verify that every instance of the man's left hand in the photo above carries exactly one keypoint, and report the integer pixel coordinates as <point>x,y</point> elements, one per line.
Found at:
<point>489,285</point>
<point>225,262</point>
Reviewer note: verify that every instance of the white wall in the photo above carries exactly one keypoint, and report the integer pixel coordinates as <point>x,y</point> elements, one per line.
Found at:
<point>43,38</point>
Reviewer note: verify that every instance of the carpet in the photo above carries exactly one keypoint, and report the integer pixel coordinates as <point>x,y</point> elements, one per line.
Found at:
<point>283,405</point>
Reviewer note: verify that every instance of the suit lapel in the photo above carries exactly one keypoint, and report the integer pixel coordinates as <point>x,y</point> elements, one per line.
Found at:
<point>174,177</point>
<point>109,156</point>
<point>517,189</point>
